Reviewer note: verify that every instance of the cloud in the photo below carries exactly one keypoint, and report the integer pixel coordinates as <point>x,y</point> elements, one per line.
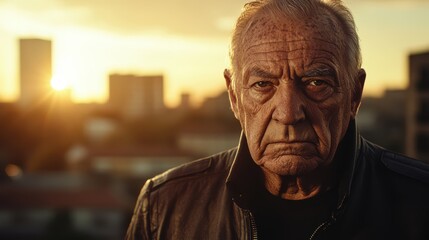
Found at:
<point>134,17</point>
<point>198,18</point>
<point>185,17</point>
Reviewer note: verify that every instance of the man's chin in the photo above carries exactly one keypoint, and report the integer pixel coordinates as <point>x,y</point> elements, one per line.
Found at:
<point>291,165</point>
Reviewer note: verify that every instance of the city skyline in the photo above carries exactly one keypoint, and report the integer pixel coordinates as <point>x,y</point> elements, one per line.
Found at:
<point>190,47</point>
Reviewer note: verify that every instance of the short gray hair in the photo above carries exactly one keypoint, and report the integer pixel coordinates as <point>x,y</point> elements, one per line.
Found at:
<point>297,9</point>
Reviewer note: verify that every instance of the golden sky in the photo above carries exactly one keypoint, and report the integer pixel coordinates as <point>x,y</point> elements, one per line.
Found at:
<point>185,40</point>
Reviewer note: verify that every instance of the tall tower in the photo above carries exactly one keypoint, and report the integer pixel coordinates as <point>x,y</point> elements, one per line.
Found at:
<point>136,96</point>
<point>35,70</point>
<point>417,144</point>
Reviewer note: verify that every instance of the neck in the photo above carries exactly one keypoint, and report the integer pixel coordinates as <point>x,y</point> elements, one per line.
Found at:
<point>299,187</point>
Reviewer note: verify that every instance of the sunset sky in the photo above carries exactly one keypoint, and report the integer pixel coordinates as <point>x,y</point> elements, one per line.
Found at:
<point>185,40</point>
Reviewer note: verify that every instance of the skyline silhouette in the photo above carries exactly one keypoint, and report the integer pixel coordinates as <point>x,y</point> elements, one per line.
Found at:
<point>189,47</point>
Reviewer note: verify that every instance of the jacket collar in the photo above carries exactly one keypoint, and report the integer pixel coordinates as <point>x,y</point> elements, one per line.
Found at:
<point>348,153</point>
<point>245,177</point>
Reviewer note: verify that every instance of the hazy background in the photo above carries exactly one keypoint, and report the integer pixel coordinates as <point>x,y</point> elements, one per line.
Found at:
<point>187,41</point>
<point>137,88</point>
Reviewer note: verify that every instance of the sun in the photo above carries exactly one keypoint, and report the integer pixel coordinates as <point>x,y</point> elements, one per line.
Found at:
<point>59,83</point>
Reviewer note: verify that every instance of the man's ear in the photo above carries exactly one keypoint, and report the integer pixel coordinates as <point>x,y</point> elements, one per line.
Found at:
<point>231,92</point>
<point>357,92</point>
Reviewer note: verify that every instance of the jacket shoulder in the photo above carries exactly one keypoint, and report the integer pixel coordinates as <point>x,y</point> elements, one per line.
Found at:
<point>407,166</point>
<point>213,163</point>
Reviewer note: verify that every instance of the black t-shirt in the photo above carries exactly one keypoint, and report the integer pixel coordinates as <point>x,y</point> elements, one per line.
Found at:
<point>277,218</point>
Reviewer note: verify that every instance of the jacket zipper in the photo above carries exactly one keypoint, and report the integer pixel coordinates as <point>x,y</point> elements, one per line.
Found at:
<point>254,230</point>
<point>329,222</point>
<point>323,226</point>
<point>318,229</point>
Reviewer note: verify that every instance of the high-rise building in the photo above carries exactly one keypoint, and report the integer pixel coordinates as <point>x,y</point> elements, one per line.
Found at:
<point>417,142</point>
<point>35,70</point>
<point>185,102</point>
<point>382,119</point>
<point>136,96</point>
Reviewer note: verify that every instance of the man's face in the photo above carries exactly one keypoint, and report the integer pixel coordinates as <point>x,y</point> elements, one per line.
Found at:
<point>292,99</point>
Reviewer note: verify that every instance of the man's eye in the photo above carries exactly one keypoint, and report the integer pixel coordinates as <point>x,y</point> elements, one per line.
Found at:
<point>316,83</point>
<point>263,84</point>
<point>318,90</point>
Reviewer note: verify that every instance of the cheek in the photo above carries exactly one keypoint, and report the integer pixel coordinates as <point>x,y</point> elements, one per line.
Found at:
<point>320,119</point>
<point>254,119</point>
<point>330,122</point>
<point>252,112</point>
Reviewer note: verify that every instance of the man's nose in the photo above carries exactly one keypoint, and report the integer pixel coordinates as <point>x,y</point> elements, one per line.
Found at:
<point>288,105</point>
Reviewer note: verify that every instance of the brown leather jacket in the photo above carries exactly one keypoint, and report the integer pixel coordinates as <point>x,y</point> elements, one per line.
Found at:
<point>381,195</point>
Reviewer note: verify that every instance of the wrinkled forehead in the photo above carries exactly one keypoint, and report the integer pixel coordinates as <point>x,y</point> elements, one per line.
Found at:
<point>320,31</point>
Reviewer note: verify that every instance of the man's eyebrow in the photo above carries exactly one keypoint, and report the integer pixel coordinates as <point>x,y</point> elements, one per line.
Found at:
<point>261,73</point>
<point>320,72</point>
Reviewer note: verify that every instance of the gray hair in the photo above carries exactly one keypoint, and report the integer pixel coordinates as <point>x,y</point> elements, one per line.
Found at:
<point>296,10</point>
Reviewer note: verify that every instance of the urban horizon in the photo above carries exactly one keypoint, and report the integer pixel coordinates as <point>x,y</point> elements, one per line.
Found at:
<point>191,53</point>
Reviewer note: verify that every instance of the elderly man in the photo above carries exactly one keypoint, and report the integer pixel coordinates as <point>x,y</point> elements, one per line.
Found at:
<point>301,170</point>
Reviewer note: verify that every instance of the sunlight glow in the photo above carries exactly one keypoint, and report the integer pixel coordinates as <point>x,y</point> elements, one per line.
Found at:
<point>87,52</point>
<point>59,83</point>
